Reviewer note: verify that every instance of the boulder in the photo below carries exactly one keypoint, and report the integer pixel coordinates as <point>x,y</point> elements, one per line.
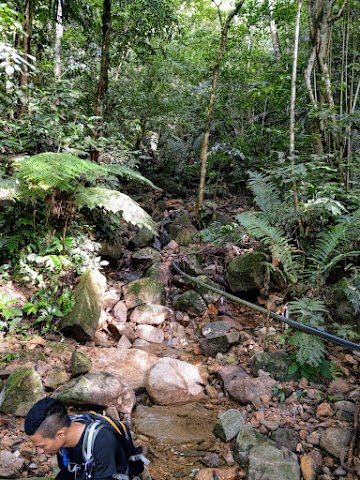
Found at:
<point>10,464</point>
<point>267,461</point>
<point>160,272</point>
<point>144,290</point>
<point>174,382</point>
<point>143,237</point>
<point>190,302</point>
<point>98,388</point>
<point>82,322</point>
<point>22,389</point>
<point>182,230</point>
<point>251,390</point>
<point>150,334</point>
<point>150,314</point>
<point>80,363</point>
<point>145,257</point>
<point>276,363</point>
<point>229,425</point>
<point>246,272</point>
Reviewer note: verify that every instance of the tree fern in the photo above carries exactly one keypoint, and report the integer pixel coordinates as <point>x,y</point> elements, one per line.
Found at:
<point>116,202</point>
<point>258,226</point>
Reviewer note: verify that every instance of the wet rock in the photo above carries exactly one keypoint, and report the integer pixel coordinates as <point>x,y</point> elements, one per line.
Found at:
<point>144,290</point>
<point>229,425</point>
<point>131,365</point>
<point>267,461</point>
<point>22,389</point>
<point>213,345</point>
<point>98,388</point>
<point>82,322</point>
<point>275,363</point>
<point>173,382</point>
<point>250,390</point>
<point>150,314</point>
<point>246,272</point>
<point>80,363</point>
<point>10,464</point>
<point>335,441</point>
<point>285,437</point>
<point>150,334</point>
<point>191,302</point>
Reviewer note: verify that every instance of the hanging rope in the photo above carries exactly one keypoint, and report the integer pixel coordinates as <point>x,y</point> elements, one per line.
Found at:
<point>293,323</point>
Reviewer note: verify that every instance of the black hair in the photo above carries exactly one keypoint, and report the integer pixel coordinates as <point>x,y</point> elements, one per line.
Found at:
<point>47,416</point>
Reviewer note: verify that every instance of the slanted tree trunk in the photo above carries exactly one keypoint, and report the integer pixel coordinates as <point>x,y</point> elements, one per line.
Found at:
<point>210,112</point>
<point>102,85</point>
<point>59,31</point>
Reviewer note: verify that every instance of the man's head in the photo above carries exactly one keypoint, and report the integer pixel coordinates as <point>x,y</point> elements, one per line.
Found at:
<point>46,424</point>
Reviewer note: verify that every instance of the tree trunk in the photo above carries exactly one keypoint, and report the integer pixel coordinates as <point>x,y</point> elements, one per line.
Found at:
<point>59,31</point>
<point>210,111</point>
<point>274,32</point>
<point>102,85</point>
<point>26,41</point>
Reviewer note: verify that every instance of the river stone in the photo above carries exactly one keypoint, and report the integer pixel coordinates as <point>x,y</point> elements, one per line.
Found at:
<point>267,461</point>
<point>344,410</point>
<point>275,363</point>
<point>10,464</point>
<point>22,389</point>
<point>208,295</point>
<point>218,473</point>
<point>173,382</point>
<point>150,334</point>
<point>246,272</point>
<point>190,302</point>
<point>129,365</point>
<point>176,425</point>
<point>250,390</point>
<point>80,363</point>
<point>335,441</point>
<point>213,345</point>
<point>144,290</point>
<point>97,388</point>
<point>150,314</point>
<point>229,425</point>
<point>82,322</point>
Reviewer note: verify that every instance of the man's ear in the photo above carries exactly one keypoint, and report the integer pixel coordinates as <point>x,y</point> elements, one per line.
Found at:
<point>61,432</point>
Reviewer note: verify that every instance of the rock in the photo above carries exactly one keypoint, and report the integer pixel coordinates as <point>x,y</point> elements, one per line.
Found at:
<point>101,339</point>
<point>111,297</point>
<point>229,373</point>
<point>173,382</point>
<point>55,377</point>
<point>182,230</point>
<point>144,290</point>
<point>145,257</point>
<point>276,363</point>
<point>215,329</point>
<point>175,425</point>
<point>22,389</point>
<point>250,390</point>
<point>112,250</point>
<point>80,363</point>
<point>150,314</point>
<point>82,322</point>
<point>10,464</point>
<point>285,437</point>
<point>131,365</point>
<point>267,461</point>
<point>229,425</point>
<point>124,343</point>
<point>344,410</point>
<point>98,388</point>
<point>208,295</point>
<point>336,441</point>
<point>191,302</point>
<point>309,468</point>
<point>212,345</point>
<point>246,272</point>
<point>218,473</point>
<point>150,334</point>
<point>142,238</point>
<point>120,312</point>
<point>324,410</point>
<point>159,271</point>
<point>245,441</point>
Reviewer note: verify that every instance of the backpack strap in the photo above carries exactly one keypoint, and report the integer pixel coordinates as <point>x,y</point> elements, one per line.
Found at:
<point>91,433</point>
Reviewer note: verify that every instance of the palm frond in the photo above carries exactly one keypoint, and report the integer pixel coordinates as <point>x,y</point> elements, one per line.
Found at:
<point>258,226</point>
<point>116,202</point>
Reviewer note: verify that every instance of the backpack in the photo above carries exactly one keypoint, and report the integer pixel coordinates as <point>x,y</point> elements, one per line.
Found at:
<point>97,421</point>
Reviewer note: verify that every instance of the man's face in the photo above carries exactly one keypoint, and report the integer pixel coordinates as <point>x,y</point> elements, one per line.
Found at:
<point>49,446</point>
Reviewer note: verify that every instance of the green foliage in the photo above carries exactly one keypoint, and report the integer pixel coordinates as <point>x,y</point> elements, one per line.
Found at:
<point>10,315</point>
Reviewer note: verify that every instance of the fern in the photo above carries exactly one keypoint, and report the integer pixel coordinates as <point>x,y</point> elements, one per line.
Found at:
<point>127,173</point>
<point>310,350</point>
<point>258,226</point>
<point>114,201</point>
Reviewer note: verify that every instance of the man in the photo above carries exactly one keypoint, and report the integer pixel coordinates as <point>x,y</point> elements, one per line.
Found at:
<point>51,430</point>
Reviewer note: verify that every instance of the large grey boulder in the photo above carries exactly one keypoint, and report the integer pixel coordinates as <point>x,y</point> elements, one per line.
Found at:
<point>22,389</point>
<point>246,272</point>
<point>144,290</point>
<point>267,461</point>
<point>174,382</point>
<point>82,322</point>
<point>98,388</point>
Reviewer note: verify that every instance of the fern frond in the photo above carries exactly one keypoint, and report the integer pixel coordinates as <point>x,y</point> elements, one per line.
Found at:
<point>258,226</point>
<point>128,173</point>
<point>328,244</point>
<point>310,350</point>
<point>267,197</point>
<point>116,202</point>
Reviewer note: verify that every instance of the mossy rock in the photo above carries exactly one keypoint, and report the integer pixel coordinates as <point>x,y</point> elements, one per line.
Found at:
<point>144,290</point>
<point>247,272</point>
<point>190,302</point>
<point>22,389</point>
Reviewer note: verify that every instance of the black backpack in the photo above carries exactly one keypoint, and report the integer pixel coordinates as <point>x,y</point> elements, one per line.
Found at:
<point>97,421</point>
